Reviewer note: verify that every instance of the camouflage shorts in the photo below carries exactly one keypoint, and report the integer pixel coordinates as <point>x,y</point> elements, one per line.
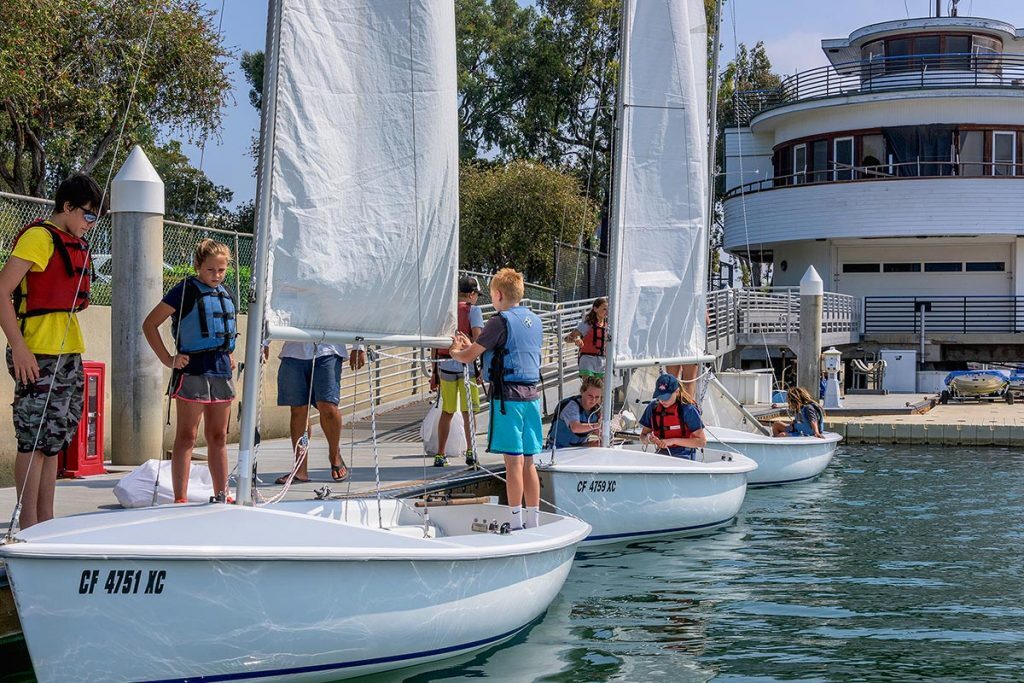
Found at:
<point>59,416</point>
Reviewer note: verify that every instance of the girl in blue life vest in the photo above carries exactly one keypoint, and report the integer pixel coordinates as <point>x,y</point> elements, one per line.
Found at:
<point>202,315</point>
<point>808,417</point>
<point>670,423</point>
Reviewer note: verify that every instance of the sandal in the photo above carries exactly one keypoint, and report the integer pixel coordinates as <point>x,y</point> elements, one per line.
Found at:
<point>339,472</point>
<point>280,481</point>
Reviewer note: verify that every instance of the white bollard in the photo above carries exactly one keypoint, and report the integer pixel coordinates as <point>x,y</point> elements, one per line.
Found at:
<point>808,369</point>
<point>137,376</point>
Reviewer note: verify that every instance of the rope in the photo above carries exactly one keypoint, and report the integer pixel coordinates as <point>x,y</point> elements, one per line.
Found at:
<point>375,359</point>
<point>202,146</point>
<point>16,514</point>
<point>305,433</point>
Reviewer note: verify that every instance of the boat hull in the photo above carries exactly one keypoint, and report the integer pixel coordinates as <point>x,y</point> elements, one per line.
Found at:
<point>780,460</point>
<point>654,496</point>
<point>980,383</point>
<point>310,619</point>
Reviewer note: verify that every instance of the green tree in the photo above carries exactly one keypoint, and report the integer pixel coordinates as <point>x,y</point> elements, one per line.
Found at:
<point>190,196</point>
<point>68,80</point>
<point>512,215</point>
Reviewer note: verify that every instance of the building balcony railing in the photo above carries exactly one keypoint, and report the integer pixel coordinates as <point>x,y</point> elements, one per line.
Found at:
<point>983,315</point>
<point>914,72</point>
<point>918,169</point>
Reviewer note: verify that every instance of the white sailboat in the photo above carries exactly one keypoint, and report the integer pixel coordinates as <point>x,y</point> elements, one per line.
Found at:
<point>357,203</point>
<point>786,460</point>
<point>658,261</point>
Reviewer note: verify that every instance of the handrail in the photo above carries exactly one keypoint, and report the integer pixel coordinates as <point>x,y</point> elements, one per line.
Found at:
<point>846,173</point>
<point>923,71</point>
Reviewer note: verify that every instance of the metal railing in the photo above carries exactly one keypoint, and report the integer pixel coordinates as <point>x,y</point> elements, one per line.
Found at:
<point>919,168</point>
<point>949,314</point>
<point>776,310</point>
<point>913,72</point>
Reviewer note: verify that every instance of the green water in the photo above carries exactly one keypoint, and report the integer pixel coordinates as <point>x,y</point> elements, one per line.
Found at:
<point>896,565</point>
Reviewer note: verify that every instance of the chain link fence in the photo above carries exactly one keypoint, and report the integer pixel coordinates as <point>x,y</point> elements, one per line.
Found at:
<point>580,273</point>
<point>180,240</point>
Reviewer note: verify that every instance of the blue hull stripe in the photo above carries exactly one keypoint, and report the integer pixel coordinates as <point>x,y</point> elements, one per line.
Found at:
<point>344,665</point>
<point>653,532</point>
<point>782,481</point>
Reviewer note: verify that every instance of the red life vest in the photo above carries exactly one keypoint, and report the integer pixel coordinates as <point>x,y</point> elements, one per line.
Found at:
<point>64,285</point>
<point>593,341</point>
<point>668,423</point>
<point>464,327</point>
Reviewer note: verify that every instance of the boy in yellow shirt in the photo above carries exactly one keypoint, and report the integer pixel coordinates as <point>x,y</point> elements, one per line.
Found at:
<point>43,284</point>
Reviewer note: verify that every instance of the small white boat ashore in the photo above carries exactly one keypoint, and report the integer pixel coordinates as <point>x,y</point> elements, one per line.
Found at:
<point>626,494</point>
<point>194,591</point>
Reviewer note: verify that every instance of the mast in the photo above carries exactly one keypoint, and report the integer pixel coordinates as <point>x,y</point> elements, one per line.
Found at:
<point>258,303</point>
<point>618,178</point>
<point>713,133</point>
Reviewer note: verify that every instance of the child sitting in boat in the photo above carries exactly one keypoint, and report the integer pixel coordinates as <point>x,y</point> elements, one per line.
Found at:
<point>808,417</point>
<point>577,418</point>
<point>671,422</point>
<point>202,315</point>
<point>589,337</point>
<point>511,346</point>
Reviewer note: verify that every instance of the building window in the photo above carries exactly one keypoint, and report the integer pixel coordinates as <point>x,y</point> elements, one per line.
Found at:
<point>843,159</point>
<point>986,267</point>
<point>799,163</point>
<point>943,267</point>
<point>1004,152</point>
<point>901,268</point>
<point>873,157</point>
<point>819,161</point>
<point>971,156</point>
<point>861,268</point>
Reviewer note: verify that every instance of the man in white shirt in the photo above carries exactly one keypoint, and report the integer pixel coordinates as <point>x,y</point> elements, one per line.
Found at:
<point>304,381</point>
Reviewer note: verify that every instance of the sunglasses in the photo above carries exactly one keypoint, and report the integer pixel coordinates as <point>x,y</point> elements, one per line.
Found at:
<point>89,216</point>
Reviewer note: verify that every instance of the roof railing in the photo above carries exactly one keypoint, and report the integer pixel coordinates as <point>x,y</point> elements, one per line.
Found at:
<point>910,72</point>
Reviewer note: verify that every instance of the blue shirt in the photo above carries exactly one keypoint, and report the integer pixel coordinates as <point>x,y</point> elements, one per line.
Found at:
<point>210,363</point>
<point>691,418</point>
<point>564,436</point>
<point>805,418</point>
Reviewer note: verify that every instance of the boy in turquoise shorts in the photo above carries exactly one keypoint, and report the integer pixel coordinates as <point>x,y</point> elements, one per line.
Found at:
<point>511,348</point>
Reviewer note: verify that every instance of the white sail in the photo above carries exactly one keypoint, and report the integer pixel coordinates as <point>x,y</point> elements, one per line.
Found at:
<point>659,312</point>
<point>364,179</point>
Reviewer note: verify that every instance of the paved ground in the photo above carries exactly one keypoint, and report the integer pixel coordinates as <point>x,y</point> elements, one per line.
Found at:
<point>402,461</point>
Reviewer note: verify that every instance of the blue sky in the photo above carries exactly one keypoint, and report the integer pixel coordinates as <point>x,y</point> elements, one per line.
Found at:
<point>792,31</point>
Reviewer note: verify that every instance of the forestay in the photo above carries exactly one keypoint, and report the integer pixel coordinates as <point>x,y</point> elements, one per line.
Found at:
<point>659,312</point>
<point>364,176</point>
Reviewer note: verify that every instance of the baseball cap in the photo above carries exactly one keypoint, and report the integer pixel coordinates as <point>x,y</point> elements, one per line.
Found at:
<point>665,386</point>
<point>468,284</point>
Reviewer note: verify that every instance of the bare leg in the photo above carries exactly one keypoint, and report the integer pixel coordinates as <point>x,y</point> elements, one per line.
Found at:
<point>298,424</point>
<point>514,479</point>
<point>330,422</point>
<point>531,482</point>
<point>469,433</point>
<point>184,440</point>
<point>444,425</point>
<point>47,484</point>
<point>28,470</point>
<point>215,428</point>
<point>779,428</point>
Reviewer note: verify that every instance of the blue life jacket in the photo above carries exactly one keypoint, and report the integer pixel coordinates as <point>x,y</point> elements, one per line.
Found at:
<point>518,360</point>
<point>206,321</point>
<point>805,416</point>
<point>561,434</point>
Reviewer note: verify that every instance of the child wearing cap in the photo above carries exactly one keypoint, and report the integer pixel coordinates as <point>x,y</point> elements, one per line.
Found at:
<point>511,346</point>
<point>449,373</point>
<point>671,423</point>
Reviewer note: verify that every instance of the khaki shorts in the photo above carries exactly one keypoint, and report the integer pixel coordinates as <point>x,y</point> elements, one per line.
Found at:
<point>47,413</point>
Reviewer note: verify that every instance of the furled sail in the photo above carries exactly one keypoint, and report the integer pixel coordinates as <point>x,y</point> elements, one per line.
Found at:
<point>363,192</point>
<point>659,312</point>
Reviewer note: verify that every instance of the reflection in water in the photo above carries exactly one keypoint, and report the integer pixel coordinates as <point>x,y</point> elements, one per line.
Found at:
<point>894,565</point>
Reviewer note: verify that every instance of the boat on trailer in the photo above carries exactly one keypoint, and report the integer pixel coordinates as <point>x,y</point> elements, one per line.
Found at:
<point>325,589</point>
<point>978,384</point>
<point>140,595</point>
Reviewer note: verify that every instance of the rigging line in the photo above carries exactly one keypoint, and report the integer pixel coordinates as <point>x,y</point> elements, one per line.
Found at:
<point>81,277</point>
<point>416,184</point>
<point>202,147</point>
